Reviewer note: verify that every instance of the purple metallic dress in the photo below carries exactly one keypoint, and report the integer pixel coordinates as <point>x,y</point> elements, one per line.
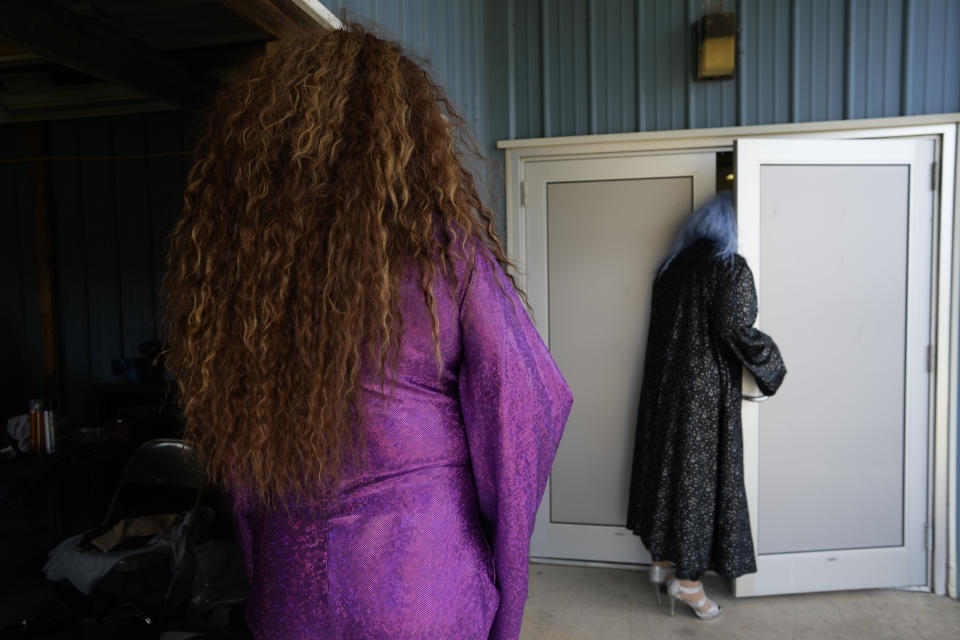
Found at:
<point>431,538</point>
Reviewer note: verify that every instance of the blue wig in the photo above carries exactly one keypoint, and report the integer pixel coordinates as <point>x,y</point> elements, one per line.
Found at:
<point>714,221</point>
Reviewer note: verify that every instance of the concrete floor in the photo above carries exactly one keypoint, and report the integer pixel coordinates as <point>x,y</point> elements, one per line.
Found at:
<point>570,603</point>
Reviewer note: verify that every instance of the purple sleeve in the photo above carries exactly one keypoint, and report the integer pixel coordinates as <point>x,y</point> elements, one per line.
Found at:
<point>515,404</point>
<point>241,528</point>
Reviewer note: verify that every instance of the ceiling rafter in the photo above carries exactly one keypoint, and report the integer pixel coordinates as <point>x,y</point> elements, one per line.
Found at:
<point>278,16</point>
<point>88,45</point>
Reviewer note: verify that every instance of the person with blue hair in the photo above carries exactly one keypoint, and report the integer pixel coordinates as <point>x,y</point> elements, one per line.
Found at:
<point>687,498</point>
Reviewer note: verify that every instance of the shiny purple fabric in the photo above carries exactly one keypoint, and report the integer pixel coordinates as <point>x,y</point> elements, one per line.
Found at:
<point>431,538</point>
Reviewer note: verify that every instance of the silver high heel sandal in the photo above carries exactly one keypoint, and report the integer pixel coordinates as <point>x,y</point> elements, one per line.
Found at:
<point>658,577</point>
<point>675,591</point>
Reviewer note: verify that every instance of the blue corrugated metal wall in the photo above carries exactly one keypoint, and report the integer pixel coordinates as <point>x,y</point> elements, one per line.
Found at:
<point>606,66</point>
<point>448,33</point>
<point>539,68</point>
<point>595,66</point>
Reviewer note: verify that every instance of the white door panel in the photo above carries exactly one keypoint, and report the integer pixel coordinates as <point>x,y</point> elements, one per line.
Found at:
<point>839,235</point>
<point>599,262</point>
<point>595,232</point>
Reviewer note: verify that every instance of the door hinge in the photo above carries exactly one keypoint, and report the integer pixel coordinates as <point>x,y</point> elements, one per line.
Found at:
<point>523,194</point>
<point>934,175</point>
<point>931,358</point>
<point>928,536</point>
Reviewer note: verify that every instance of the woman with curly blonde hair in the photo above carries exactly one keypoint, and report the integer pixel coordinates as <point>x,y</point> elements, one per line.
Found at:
<point>354,362</point>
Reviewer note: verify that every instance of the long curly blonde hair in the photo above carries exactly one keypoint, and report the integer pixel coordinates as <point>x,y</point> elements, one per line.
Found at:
<point>330,165</point>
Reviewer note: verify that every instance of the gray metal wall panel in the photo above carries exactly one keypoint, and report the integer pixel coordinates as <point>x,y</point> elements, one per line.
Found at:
<point>448,33</point>
<point>612,66</point>
<point>527,109</point>
<point>138,279</point>
<point>571,67</point>
<point>110,215</point>
<point>763,80</point>
<point>70,267</point>
<point>565,64</point>
<point>663,63</point>
<point>936,49</point>
<point>951,59</point>
<point>21,374</point>
<point>873,66</point>
<point>712,104</point>
<point>802,60</point>
<point>541,68</point>
<point>819,49</point>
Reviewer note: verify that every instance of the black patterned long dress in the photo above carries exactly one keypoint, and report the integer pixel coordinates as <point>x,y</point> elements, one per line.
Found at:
<point>687,498</point>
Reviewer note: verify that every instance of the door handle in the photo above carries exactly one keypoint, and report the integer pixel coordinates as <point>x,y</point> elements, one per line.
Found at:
<point>755,398</point>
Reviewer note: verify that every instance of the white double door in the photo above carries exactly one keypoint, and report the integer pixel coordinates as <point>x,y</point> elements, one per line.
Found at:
<point>839,236</point>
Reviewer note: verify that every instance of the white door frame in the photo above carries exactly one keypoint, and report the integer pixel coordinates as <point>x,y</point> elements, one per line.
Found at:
<point>944,128</point>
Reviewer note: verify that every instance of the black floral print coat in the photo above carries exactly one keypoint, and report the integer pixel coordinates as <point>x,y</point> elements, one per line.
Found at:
<point>687,499</point>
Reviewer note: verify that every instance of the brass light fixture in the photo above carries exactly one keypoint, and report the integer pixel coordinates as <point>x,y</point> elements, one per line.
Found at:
<point>716,44</point>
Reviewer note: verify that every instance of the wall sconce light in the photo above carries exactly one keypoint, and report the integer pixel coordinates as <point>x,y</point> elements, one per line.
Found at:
<point>716,45</point>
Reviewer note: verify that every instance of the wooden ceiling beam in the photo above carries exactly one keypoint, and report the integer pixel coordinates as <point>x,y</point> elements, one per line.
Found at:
<point>93,47</point>
<point>319,13</point>
<point>218,57</point>
<point>278,16</point>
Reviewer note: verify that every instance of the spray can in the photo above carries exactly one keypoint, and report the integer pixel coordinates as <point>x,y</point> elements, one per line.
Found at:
<point>43,426</point>
<point>36,425</point>
<point>49,429</point>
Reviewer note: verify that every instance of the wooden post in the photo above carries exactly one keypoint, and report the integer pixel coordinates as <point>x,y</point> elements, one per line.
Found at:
<point>49,318</point>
